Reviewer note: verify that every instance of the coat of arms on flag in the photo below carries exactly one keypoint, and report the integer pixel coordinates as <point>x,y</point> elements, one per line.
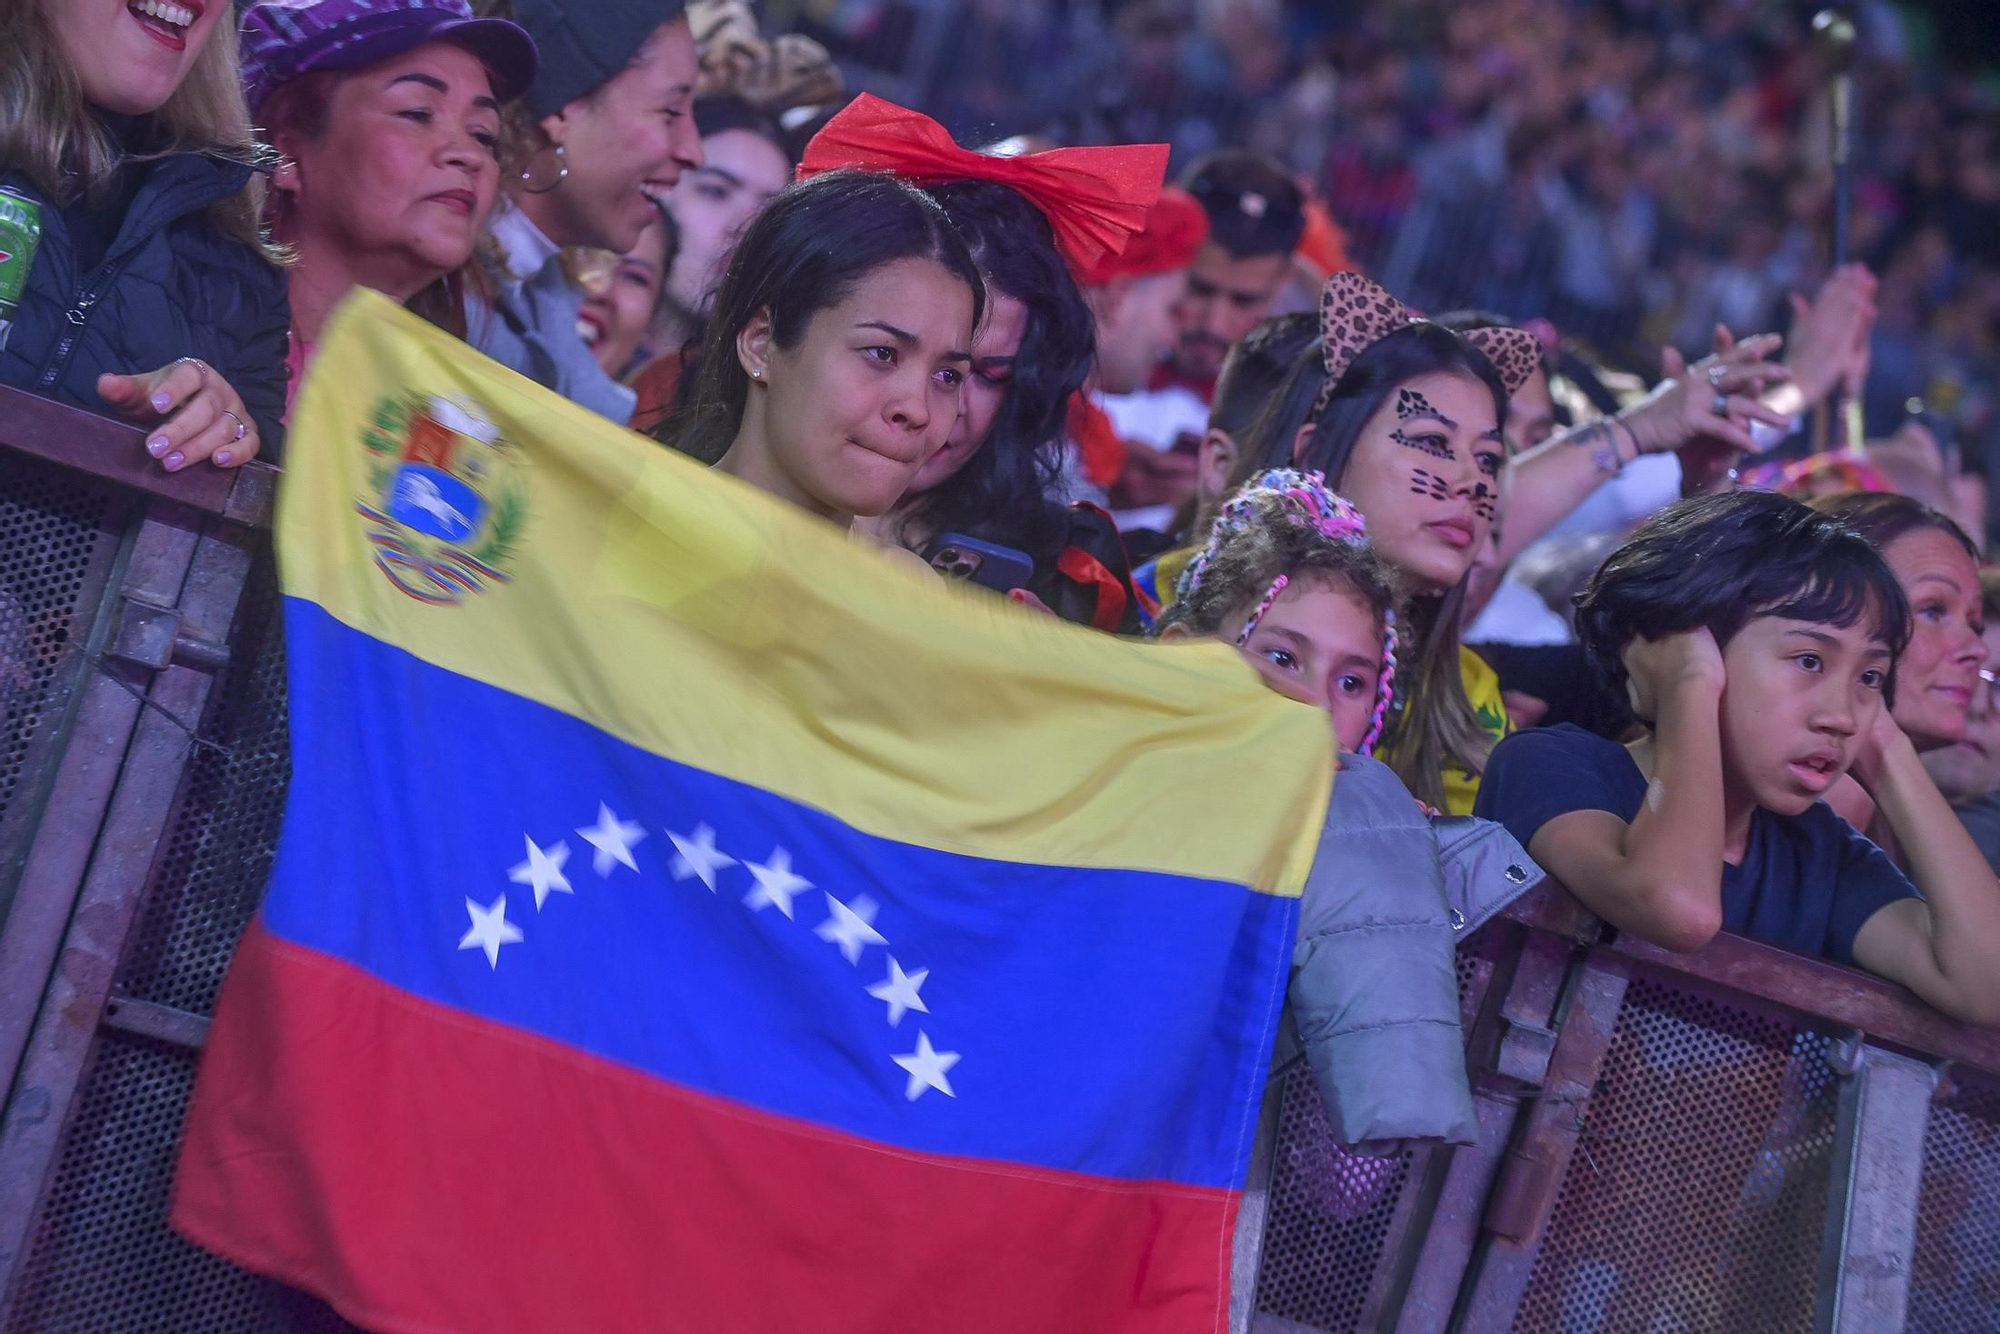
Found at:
<point>444,501</point>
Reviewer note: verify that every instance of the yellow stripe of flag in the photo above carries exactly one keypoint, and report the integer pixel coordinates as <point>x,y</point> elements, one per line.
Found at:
<point>579,565</point>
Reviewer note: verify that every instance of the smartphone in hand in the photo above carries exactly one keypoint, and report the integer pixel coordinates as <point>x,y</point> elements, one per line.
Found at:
<point>1002,569</point>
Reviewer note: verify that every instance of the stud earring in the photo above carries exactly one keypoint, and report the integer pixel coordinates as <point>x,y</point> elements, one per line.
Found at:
<point>756,374</point>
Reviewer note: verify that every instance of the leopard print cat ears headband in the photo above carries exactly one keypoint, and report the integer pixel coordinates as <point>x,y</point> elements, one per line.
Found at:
<point>1355,314</point>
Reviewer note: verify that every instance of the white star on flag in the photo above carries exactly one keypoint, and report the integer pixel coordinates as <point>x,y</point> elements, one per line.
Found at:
<point>490,929</point>
<point>775,882</point>
<point>614,840</point>
<point>900,991</point>
<point>696,854</point>
<point>543,870</point>
<point>926,1066</point>
<point>853,929</point>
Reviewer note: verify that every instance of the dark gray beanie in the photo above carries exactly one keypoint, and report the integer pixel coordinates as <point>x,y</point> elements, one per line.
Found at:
<point>584,42</point>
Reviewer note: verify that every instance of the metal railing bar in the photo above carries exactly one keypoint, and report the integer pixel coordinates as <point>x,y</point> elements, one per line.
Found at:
<point>114,451</point>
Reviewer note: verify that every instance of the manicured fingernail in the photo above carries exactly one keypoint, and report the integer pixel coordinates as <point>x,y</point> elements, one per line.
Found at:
<point>160,401</point>
<point>174,460</point>
<point>223,458</point>
<point>156,445</point>
<point>1014,595</point>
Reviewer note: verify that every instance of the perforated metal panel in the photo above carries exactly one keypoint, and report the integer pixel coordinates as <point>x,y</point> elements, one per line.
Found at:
<point>1329,1216</point>
<point>217,853</point>
<point>1955,1281</point>
<point>102,1259</point>
<point>1330,1210</point>
<point>54,553</point>
<point>1697,1195</point>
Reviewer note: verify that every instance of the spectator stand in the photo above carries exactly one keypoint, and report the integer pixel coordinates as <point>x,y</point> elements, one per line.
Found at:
<point>1735,1139</point>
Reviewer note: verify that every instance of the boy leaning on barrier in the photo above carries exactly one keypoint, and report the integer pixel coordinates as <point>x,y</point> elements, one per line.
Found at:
<point>1757,641</point>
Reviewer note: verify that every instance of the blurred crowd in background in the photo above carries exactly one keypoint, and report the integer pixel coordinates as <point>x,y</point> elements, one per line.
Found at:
<point>1634,171</point>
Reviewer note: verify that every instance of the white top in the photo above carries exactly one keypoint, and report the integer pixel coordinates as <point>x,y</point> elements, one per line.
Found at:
<point>524,250</point>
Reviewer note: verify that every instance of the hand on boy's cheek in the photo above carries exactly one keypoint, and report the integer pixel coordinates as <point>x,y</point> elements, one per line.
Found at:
<point>1873,748</point>
<point>1655,666</point>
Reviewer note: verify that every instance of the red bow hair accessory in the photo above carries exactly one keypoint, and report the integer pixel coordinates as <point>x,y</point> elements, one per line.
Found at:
<point>1175,227</point>
<point>1094,198</point>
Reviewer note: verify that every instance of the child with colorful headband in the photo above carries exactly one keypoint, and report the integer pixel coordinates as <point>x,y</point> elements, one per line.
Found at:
<point>1288,577</point>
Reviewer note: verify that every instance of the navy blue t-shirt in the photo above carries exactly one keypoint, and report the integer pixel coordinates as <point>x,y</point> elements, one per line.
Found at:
<point>1807,882</point>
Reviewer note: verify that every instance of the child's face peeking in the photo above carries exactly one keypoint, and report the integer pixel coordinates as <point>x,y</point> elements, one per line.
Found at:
<point>1320,644</point>
<point>1798,699</point>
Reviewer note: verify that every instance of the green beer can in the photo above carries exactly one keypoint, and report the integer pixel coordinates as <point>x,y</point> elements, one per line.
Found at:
<point>20,233</point>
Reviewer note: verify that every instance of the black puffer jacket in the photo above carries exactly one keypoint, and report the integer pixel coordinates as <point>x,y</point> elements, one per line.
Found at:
<point>169,286</point>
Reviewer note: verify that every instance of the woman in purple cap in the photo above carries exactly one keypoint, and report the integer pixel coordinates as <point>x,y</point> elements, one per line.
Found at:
<point>606,128</point>
<point>386,114</point>
<point>130,195</point>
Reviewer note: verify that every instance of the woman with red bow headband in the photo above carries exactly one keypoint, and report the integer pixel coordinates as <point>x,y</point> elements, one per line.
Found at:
<point>1035,223</point>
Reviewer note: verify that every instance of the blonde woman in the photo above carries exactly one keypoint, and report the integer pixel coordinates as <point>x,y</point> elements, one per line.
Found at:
<point>148,292</point>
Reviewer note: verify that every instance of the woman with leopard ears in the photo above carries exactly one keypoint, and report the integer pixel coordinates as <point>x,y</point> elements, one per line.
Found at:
<point>1408,426</point>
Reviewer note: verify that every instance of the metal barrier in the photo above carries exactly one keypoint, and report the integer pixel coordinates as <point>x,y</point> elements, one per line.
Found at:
<point>1738,1139</point>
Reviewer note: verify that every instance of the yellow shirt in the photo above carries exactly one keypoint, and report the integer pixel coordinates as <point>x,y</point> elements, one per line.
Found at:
<point>1482,687</point>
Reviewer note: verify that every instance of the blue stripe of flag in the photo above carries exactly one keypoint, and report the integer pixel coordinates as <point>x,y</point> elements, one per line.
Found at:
<point>1114,1023</point>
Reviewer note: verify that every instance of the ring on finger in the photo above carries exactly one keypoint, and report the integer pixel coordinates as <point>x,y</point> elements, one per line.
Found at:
<point>1715,374</point>
<point>241,429</point>
<point>1721,404</point>
<point>200,366</point>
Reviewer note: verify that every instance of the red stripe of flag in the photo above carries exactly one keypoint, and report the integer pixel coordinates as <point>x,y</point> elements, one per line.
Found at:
<point>426,1170</point>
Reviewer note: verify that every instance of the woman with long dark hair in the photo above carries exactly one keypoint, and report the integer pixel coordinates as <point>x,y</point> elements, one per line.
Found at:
<point>1408,426</point>
<point>838,347</point>
<point>1022,218</point>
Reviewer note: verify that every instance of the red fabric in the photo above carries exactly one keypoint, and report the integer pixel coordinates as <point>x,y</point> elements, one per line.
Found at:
<point>1097,441</point>
<point>1166,375</point>
<point>656,383</point>
<point>1079,565</point>
<point>1324,244</point>
<point>1094,198</point>
<point>1176,226</point>
<point>420,1101</point>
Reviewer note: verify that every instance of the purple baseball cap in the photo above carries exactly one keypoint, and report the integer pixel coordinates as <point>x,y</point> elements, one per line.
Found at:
<point>282,39</point>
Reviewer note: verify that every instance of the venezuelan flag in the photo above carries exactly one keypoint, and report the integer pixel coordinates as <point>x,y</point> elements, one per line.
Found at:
<point>689,919</point>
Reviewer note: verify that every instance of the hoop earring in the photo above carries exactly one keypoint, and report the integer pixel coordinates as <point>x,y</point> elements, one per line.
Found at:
<point>527,175</point>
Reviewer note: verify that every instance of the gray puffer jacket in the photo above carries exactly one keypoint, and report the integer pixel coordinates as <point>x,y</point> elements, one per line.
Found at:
<point>1374,990</point>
